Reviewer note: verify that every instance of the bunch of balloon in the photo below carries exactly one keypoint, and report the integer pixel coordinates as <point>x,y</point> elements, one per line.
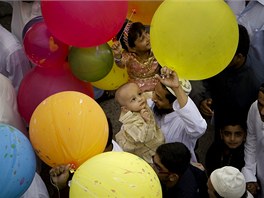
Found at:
<point>84,23</point>
<point>199,38</point>
<point>115,174</point>
<point>73,126</point>
<point>42,48</point>
<point>142,11</point>
<point>17,162</point>
<point>92,63</point>
<point>42,82</point>
<point>114,79</point>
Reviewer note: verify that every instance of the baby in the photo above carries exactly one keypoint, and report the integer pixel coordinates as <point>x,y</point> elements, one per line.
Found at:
<point>139,133</point>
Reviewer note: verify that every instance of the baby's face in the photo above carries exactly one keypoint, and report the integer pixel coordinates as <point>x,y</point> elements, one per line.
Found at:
<point>133,99</point>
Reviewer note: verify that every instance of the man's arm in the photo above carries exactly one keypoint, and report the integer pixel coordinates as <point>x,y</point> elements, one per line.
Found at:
<point>249,170</point>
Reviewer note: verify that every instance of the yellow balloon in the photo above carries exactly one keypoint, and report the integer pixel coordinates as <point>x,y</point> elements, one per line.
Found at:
<point>114,79</point>
<point>115,174</point>
<point>196,38</point>
<point>68,127</point>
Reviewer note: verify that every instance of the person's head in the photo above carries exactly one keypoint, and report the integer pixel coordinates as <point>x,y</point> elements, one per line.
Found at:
<point>163,96</point>
<point>163,99</point>
<point>170,162</point>
<point>242,48</point>
<point>226,182</point>
<point>130,98</point>
<point>261,102</point>
<point>233,131</point>
<point>135,38</point>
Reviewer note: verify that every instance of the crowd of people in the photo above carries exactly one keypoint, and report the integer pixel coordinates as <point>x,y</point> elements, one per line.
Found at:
<point>163,117</point>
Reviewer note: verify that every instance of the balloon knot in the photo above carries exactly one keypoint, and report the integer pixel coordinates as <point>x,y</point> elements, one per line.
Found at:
<point>72,168</point>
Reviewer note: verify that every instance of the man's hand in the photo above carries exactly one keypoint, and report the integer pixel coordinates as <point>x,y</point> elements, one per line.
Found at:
<point>253,187</point>
<point>205,107</point>
<point>168,77</point>
<point>59,175</point>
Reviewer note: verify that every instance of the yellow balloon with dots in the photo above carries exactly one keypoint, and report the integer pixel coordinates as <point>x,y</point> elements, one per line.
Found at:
<point>115,174</point>
<point>196,38</point>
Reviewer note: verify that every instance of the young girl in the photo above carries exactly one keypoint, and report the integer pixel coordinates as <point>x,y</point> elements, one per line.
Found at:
<point>137,56</point>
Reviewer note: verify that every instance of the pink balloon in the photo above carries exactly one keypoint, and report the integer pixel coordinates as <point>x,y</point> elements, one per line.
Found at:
<point>42,48</point>
<point>84,23</point>
<point>40,83</point>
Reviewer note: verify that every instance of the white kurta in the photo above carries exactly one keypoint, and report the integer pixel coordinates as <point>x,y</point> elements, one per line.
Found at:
<point>116,147</point>
<point>37,189</point>
<point>22,13</point>
<point>13,62</point>
<point>252,17</point>
<point>254,148</point>
<point>8,106</point>
<point>184,125</point>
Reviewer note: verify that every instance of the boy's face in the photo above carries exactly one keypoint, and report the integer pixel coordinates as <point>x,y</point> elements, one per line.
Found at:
<point>142,43</point>
<point>233,136</point>
<point>261,105</point>
<point>133,100</point>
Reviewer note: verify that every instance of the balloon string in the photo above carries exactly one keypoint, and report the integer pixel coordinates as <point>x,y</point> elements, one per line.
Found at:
<point>57,188</point>
<point>132,13</point>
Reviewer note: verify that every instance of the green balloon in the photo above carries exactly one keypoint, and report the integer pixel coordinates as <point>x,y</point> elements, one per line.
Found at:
<point>91,64</point>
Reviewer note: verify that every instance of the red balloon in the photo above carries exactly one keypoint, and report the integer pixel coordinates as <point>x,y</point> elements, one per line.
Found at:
<point>84,23</point>
<point>41,83</point>
<point>42,48</point>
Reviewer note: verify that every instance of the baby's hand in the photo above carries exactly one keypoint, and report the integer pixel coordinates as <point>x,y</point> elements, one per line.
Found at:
<point>145,115</point>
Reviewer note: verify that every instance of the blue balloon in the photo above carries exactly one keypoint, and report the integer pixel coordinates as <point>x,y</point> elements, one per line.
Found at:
<point>17,162</point>
<point>97,92</point>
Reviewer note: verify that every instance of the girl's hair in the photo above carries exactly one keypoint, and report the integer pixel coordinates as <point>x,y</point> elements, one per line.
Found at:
<point>134,31</point>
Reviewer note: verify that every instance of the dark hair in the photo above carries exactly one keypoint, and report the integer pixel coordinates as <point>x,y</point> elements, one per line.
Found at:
<point>243,42</point>
<point>110,133</point>
<point>233,117</point>
<point>136,29</point>
<point>261,88</point>
<point>174,156</point>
